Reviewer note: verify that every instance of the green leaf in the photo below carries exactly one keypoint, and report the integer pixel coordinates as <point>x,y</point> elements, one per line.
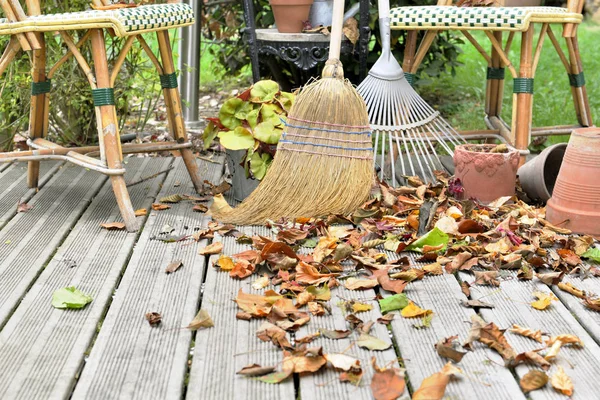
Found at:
<point>275,377</point>
<point>252,118</point>
<point>238,139</point>
<point>393,303</point>
<point>320,292</point>
<point>271,113</point>
<point>592,254</point>
<point>209,134</point>
<point>70,297</point>
<point>233,112</point>
<point>311,243</point>
<point>287,100</point>
<point>264,91</point>
<point>259,164</point>
<point>267,133</point>
<point>433,238</point>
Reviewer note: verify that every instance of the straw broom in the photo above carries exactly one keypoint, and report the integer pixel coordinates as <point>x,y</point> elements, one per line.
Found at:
<point>324,159</point>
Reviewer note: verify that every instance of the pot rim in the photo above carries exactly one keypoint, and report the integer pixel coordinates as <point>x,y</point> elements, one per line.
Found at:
<point>467,149</point>
<point>290,2</point>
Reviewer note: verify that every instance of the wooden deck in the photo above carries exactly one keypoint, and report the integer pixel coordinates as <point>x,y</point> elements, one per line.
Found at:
<point>108,350</point>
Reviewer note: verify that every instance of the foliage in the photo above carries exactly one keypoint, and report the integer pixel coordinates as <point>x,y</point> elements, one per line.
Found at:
<point>223,24</point>
<point>252,121</point>
<point>71,112</point>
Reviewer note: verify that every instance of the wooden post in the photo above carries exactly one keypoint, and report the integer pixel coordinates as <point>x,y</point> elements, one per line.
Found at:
<point>110,131</point>
<point>174,109</point>
<point>523,102</point>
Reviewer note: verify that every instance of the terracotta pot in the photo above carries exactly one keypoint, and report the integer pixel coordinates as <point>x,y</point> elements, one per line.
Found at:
<point>538,176</point>
<point>575,202</point>
<point>290,14</point>
<point>485,176</point>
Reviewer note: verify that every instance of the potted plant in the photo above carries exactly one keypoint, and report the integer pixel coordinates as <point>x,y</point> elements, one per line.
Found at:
<point>249,127</point>
<point>486,171</point>
<point>290,15</point>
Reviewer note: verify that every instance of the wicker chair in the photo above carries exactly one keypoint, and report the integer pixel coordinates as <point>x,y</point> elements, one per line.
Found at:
<point>495,21</point>
<point>27,33</point>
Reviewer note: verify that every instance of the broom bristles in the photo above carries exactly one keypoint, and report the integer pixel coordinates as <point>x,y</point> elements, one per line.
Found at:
<point>324,160</point>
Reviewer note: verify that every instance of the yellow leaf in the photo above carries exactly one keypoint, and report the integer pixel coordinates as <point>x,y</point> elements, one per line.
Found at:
<point>565,339</point>
<point>140,212</point>
<point>261,283</point>
<point>214,248</point>
<point>414,311</point>
<point>360,307</point>
<point>561,382</point>
<point>544,300</point>
<point>225,263</point>
<point>360,284</point>
<point>219,205</point>
<point>527,332</point>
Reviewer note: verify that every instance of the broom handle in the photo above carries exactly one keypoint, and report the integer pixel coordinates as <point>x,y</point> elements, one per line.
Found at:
<point>335,42</point>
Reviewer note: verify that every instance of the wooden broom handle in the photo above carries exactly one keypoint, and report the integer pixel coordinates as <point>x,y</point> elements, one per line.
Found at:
<point>337,22</point>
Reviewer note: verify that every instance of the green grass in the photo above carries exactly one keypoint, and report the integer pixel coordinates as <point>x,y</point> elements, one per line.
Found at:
<point>461,98</point>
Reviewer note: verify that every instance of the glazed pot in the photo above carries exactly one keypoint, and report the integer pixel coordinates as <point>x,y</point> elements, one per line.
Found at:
<point>538,176</point>
<point>575,202</point>
<point>485,176</point>
<point>290,14</point>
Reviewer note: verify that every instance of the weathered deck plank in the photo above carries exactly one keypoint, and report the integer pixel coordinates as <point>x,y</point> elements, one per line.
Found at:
<point>42,349</point>
<point>13,181</point>
<point>29,239</point>
<point>442,295</point>
<point>231,344</point>
<point>131,359</point>
<point>513,306</point>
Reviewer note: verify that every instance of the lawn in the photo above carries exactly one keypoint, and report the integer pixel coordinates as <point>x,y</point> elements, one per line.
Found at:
<point>461,98</point>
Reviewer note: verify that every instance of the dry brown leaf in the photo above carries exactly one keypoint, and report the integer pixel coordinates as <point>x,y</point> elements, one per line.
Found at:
<point>324,248</point>
<point>475,332</point>
<point>160,207</point>
<point>200,208</point>
<point>433,269</point>
<point>304,298</point>
<point>316,308</point>
<point>386,319</point>
<point>527,332</point>
<point>533,357</point>
<point>173,266</point>
<point>214,248</point>
<point>201,320</point>
<point>153,318</point>
<point>342,361</point>
<point>242,269</point>
<point>592,303</point>
<point>569,288</point>
<point>486,278</point>
<point>255,370</point>
<point>565,339</point>
<point>23,207</point>
<point>561,382</point>
<point>335,334</point>
<point>140,212</point>
<point>533,380</point>
<point>354,377</point>
<point>457,262</point>
<point>268,332</point>
<point>387,383</point>
<point>299,362</point>
<point>450,348</point>
<point>551,278</point>
<point>360,284</point>
<point>569,257</point>
<point>493,337</point>
<point>543,301</point>
<point>434,386</point>
<point>392,285</point>
<point>502,246</point>
<point>309,275</point>
<point>113,226</point>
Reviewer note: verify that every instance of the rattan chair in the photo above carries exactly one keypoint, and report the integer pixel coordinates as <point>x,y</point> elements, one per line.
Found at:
<point>26,32</point>
<point>497,23</point>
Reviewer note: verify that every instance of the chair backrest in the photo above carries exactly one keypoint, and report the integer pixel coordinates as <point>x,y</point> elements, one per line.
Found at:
<point>572,5</point>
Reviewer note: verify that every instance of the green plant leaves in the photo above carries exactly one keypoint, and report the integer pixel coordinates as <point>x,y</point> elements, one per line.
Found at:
<point>264,91</point>
<point>233,111</point>
<point>259,164</point>
<point>435,239</point>
<point>238,139</point>
<point>266,132</point>
<point>392,303</point>
<point>70,297</point>
<point>592,254</point>
<point>209,134</point>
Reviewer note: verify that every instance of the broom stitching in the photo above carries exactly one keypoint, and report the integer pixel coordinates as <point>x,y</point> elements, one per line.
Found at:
<point>330,124</point>
<point>326,145</point>
<point>325,138</point>
<point>326,154</point>
<point>327,130</point>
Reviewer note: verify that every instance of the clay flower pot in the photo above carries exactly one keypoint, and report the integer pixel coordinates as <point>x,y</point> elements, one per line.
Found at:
<point>290,14</point>
<point>575,202</point>
<point>485,176</point>
<point>538,176</point>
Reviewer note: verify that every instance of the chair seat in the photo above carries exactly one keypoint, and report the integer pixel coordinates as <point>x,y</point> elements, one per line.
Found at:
<point>124,21</point>
<point>477,18</point>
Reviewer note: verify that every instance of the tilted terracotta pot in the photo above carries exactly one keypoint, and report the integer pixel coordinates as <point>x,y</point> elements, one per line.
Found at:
<point>575,202</point>
<point>290,14</point>
<point>485,176</point>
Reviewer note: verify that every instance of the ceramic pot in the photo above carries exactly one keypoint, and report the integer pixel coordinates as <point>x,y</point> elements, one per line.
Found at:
<point>575,202</point>
<point>321,13</point>
<point>290,14</point>
<point>485,176</point>
<point>538,176</point>
<point>242,186</point>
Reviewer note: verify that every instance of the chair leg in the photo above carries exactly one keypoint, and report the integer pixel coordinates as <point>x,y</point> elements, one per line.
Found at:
<point>110,131</point>
<point>39,111</point>
<point>174,109</point>
<point>578,90</point>
<point>495,83</point>
<point>523,95</point>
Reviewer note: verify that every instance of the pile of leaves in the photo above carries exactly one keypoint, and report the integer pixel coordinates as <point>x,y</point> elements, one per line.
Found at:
<point>307,257</point>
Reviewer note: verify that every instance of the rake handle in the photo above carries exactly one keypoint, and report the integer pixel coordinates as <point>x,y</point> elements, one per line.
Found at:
<point>337,22</point>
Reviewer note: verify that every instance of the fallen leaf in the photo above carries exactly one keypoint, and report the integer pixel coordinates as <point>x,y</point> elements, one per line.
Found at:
<point>493,337</point>
<point>414,311</point>
<point>261,283</point>
<point>543,301</point>
<point>201,320</point>
<point>569,288</point>
<point>534,358</point>
<point>433,387</point>
<point>465,288</point>
<point>242,269</point>
<point>335,334</point>
<point>308,338</point>
<point>160,207</point>
<point>372,343</point>
<point>565,339</point>
<point>592,303</point>
<point>256,305</point>
<point>316,308</point>
<point>551,278</point>
<point>447,225</point>
<point>561,382</point>
<point>23,207</point>
<point>392,303</point>
<point>113,226</point>
<point>360,284</point>
<point>268,332</point>
<point>225,263</point>
<point>322,293</point>
<point>527,332</point>
<point>433,269</point>
<point>553,351</point>
<point>275,377</point>
<point>450,348</point>
<point>153,318</point>
<point>386,319</point>
<point>325,247</point>
<point>569,257</point>
<point>299,362</point>
<point>200,208</point>
<point>70,297</point>
<point>173,198</point>
<point>342,361</point>
<point>361,307</point>
<point>214,248</point>
<point>354,377</point>
<point>387,383</point>
<point>255,370</point>
<point>309,275</point>
<point>140,212</point>
<point>533,380</point>
<point>502,246</point>
<point>174,266</point>
<point>469,226</point>
<point>244,316</point>
<point>477,323</point>
<point>304,298</point>
<point>395,286</point>
<point>486,278</point>
<point>476,303</point>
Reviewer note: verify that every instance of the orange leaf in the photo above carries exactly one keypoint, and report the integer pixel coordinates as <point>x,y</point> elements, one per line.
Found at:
<point>113,226</point>
<point>140,212</point>
<point>309,275</point>
<point>225,263</point>
<point>434,386</point>
<point>301,362</point>
<point>242,269</point>
<point>160,207</point>
<point>360,284</point>
<point>387,384</point>
<point>561,382</point>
